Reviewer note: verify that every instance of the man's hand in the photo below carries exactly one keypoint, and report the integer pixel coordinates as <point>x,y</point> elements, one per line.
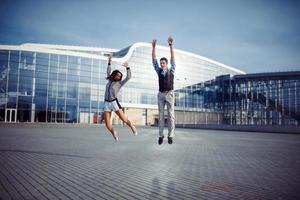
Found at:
<point>170,41</point>
<point>153,49</point>
<point>154,43</point>
<point>125,64</point>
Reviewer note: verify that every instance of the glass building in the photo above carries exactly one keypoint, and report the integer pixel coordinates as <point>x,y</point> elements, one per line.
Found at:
<point>65,84</point>
<point>252,99</point>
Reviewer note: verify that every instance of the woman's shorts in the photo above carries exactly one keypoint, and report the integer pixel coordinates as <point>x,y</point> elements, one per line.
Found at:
<point>110,106</point>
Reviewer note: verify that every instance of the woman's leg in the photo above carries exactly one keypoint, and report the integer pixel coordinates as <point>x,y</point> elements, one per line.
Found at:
<point>122,116</point>
<point>107,116</point>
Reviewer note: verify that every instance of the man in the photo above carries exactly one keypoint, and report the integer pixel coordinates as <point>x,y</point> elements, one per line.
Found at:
<point>166,91</point>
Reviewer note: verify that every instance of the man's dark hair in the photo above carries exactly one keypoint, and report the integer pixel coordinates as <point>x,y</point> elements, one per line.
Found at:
<point>165,59</point>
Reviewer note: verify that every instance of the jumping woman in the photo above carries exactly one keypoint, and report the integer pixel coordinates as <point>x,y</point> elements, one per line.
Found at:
<point>111,102</point>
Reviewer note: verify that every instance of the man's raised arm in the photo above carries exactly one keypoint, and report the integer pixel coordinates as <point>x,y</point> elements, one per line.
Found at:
<point>173,65</point>
<point>153,49</point>
<point>154,60</point>
<point>170,42</point>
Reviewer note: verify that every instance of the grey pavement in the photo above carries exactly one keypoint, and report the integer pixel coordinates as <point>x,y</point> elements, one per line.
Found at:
<point>84,162</point>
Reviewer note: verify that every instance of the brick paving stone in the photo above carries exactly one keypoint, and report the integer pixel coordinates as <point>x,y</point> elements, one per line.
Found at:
<point>65,162</point>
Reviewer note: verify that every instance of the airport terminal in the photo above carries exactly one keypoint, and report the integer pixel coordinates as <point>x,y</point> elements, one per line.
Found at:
<point>65,84</point>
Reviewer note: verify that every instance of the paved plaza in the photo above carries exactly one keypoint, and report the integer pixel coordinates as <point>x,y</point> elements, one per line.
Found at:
<point>84,162</point>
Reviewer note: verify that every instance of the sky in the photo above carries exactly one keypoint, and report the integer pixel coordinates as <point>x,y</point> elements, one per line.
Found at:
<point>251,35</point>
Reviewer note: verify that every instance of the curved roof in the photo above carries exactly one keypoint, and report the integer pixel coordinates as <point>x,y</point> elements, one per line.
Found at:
<point>142,44</point>
<point>71,48</point>
<point>100,53</point>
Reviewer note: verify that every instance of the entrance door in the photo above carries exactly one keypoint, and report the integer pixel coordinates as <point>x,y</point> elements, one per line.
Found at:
<point>11,115</point>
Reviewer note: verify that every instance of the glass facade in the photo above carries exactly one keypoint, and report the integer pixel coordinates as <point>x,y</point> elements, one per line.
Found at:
<point>67,86</point>
<point>252,99</point>
<point>43,87</point>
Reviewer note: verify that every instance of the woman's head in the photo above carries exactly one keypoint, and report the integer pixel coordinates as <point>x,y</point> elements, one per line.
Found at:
<point>116,75</point>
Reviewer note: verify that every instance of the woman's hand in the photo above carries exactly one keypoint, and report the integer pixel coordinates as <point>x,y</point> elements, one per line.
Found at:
<point>109,58</point>
<point>125,64</point>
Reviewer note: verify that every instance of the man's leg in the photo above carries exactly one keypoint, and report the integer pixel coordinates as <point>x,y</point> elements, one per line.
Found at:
<point>171,115</point>
<point>161,118</point>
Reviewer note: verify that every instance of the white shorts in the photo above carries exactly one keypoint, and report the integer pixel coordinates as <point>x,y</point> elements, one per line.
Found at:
<point>111,106</point>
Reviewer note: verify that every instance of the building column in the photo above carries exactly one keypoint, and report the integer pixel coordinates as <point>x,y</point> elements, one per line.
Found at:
<point>267,119</point>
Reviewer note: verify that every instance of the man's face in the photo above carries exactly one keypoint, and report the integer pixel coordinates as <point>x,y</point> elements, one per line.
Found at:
<point>163,64</point>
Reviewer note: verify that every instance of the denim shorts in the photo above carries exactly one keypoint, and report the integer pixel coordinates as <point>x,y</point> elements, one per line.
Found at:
<point>110,106</point>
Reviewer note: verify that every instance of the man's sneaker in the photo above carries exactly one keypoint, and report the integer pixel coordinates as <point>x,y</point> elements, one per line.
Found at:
<point>160,140</point>
<point>170,140</point>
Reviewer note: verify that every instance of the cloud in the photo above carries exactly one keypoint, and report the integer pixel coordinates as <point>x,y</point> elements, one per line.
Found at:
<point>251,35</point>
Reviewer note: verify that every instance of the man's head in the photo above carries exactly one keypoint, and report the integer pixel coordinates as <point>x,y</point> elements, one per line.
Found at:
<point>163,63</point>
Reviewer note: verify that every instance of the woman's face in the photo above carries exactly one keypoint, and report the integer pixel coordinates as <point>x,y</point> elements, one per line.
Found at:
<point>118,77</point>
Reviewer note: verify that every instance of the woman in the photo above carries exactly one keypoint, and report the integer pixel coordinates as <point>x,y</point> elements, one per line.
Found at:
<point>111,102</point>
